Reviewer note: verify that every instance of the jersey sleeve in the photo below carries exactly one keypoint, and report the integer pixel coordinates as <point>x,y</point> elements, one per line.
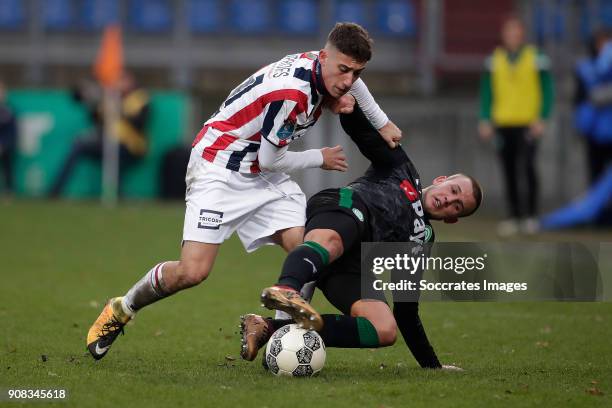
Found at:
<point>408,321</point>
<point>280,159</point>
<point>368,105</point>
<point>369,141</point>
<point>547,87</point>
<point>280,116</point>
<point>485,96</point>
<point>485,90</point>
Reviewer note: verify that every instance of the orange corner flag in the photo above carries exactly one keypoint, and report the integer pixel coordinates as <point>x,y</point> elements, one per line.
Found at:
<point>109,62</point>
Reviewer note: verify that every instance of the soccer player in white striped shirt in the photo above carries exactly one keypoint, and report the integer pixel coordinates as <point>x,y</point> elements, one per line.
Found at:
<point>236,179</point>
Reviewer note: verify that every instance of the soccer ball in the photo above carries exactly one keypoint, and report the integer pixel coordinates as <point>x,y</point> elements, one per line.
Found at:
<point>296,352</point>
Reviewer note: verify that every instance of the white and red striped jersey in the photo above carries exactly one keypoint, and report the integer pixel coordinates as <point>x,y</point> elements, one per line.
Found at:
<point>280,102</point>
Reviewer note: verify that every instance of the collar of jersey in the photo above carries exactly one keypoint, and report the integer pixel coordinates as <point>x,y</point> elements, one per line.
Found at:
<point>318,77</point>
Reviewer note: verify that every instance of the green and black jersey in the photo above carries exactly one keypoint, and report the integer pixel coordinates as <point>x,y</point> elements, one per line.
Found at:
<point>386,204</point>
<point>391,187</point>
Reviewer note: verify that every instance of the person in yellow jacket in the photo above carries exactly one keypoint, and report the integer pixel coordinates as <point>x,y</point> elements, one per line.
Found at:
<point>516,97</point>
<point>129,130</point>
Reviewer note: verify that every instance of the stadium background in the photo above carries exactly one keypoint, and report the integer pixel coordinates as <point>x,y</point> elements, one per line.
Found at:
<point>60,260</point>
<point>428,56</point>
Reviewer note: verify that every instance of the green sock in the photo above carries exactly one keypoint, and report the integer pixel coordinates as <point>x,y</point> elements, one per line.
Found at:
<point>348,332</point>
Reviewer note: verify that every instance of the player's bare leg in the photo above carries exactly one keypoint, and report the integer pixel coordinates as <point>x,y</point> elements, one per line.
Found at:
<point>161,281</point>
<point>328,239</point>
<point>197,260</point>
<point>381,317</point>
<point>289,238</point>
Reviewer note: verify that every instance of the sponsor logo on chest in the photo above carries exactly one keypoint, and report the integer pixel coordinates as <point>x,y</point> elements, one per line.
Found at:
<point>419,228</point>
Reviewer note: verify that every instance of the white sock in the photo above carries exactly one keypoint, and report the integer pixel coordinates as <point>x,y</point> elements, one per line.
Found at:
<point>147,290</point>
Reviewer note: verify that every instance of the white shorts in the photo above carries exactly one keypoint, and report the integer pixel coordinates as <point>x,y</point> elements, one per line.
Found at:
<point>220,201</point>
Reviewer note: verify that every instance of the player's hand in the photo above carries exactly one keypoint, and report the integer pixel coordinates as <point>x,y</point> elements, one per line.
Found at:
<point>536,129</point>
<point>485,131</point>
<point>344,104</point>
<point>334,159</point>
<point>391,133</point>
<point>448,367</point>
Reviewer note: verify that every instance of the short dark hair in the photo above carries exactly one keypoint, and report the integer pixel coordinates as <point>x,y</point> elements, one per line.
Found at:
<point>351,39</point>
<point>476,192</point>
<point>512,18</point>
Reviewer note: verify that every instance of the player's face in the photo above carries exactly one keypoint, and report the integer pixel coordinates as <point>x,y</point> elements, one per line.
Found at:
<point>513,34</point>
<point>339,71</point>
<point>449,198</point>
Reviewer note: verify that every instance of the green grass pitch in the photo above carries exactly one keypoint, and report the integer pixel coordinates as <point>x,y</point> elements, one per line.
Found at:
<point>59,262</point>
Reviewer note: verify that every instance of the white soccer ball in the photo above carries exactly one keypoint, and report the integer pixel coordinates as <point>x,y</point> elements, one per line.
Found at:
<point>296,352</point>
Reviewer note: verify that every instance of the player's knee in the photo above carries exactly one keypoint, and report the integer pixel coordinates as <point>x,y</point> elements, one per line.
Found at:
<point>334,242</point>
<point>381,317</point>
<point>387,334</point>
<point>328,239</point>
<point>289,238</point>
<point>191,274</point>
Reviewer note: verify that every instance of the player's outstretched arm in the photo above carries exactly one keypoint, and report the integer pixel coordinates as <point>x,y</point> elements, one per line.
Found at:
<point>276,134</point>
<point>369,140</point>
<point>408,321</point>
<point>368,105</point>
<point>334,158</point>
<point>375,115</point>
<point>391,134</point>
<point>280,159</point>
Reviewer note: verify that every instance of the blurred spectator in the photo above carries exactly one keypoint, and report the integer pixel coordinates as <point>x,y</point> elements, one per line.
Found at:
<point>593,103</point>
<point>8,139</point>
<point>516,95</point>
<point>129,130</point>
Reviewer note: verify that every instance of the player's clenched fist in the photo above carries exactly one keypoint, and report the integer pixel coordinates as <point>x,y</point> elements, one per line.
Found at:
<point>334,159</point>
<point>391,133</point>
<point>344,104</point>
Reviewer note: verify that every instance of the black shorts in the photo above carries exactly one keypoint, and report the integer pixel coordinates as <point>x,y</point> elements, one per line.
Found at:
<point>341,281</point>
<point>325,205</point>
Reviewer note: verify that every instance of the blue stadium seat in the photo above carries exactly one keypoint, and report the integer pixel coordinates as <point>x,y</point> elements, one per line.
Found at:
<point>11,15</point>
<point>351,10</point>
<point>540,22</point>
<point>299,16</point>
<point>549,21</point>
<point>97,14</point>
<point>396,17</point>
<point>150,16</point>
<point>559,23</point>
<point>605,13</point>
<point>593,16</point>
<point>587,20</point>
<point>250,16</point>
<point>58,15</point>
<point>205,15</point>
